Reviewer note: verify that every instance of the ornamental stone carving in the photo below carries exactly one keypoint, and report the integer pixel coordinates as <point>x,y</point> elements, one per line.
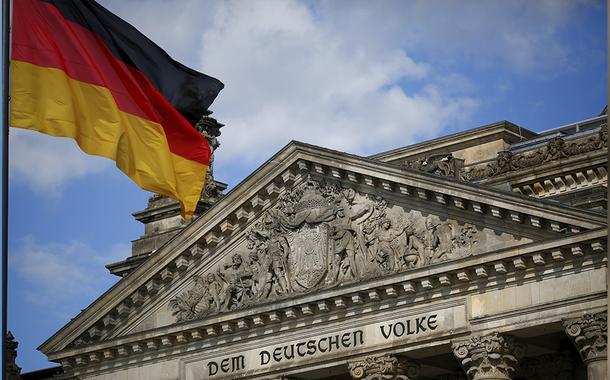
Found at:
<point>320,236</point>
<point>488,357</point>
<point>13,371</point>
<point>555,149</point>
<point>209,128</point>
<point>444,165</point>
<point>590,336</point>
<point>387,367</point>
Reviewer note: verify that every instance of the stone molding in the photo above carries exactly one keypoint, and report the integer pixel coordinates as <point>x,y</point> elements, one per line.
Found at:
<point>564,183</point>
<point>452,277</point>
<point>590,335</point>
<point>385,367</point>
<point>494,356</point>
<point>222,224</point>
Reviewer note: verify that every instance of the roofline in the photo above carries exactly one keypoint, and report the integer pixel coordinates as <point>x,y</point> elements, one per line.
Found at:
<point>503,124</point>
<point>576,123</point>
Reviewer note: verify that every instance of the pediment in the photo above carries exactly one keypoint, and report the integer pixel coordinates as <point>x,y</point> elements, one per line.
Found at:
<point>308,222</point>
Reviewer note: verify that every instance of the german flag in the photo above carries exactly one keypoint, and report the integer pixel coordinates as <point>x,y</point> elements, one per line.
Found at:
<point>79,71</point>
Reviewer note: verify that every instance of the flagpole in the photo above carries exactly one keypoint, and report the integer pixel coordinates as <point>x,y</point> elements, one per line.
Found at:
<point>6,19</point>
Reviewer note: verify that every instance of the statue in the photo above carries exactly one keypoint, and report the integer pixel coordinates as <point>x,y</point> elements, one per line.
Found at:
<point>239,283</point>
<point>389,247</point>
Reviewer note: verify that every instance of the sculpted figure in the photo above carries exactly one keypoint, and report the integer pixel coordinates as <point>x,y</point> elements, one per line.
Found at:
<point>503,162</point>
<point>278,250</point>
<point>440,164</point>
<point>437,240</point>
<point>350,251</point>
<point>555,149</point>
<point>390,245</point>
<point>464,241</point>
<point>239,283</point>
<point>261,274</point>
<point>272,251</point>
<point>202,299</point>
<point>343,235</point>
<point>212,295</point>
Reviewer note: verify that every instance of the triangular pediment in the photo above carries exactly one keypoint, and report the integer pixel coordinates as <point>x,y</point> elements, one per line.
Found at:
<point>311,222</point>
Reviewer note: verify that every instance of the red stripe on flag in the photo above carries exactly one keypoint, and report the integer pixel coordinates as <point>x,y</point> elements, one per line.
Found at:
<point>43,37</point>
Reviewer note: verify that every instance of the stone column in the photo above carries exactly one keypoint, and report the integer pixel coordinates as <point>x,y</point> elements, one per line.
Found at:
<point>590,336</point>
<point>386,367</point>
<point>488,357</point>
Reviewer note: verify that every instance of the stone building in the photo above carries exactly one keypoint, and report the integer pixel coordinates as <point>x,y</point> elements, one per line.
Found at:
<point>478,255</point>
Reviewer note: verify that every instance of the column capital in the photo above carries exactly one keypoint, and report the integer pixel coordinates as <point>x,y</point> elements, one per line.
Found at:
<point>488,357</point>
<point>590,335</point>
<point>385,367</point>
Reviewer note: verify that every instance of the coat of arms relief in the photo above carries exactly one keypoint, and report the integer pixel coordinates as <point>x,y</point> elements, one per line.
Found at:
<point>320,236</point>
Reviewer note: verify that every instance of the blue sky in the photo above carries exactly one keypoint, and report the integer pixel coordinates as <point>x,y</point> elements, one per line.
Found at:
<point>347,75</point>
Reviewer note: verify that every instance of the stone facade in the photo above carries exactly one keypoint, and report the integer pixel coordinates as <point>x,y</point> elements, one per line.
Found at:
<point>441,260</point>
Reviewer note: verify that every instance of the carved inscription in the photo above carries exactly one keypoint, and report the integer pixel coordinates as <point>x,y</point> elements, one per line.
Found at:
<point>312,347</point>
<point>337,344</point>
<point>321,236</point>
<point>409,327</point>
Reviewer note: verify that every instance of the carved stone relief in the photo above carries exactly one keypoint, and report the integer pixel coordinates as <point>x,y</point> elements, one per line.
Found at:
<point>320,236</point>
<point>387,367</point>
<point>492,356</point>
<point>444,165</point>
<point>590,335</point>
<point>555,149</point>
<point>13,371</point>
<point>209,128</point>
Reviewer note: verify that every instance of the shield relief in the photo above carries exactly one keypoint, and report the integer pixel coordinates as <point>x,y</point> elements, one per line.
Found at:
<point>310,249</point>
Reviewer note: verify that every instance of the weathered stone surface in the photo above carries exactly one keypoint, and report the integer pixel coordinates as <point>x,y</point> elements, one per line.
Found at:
<point>320,236</point>
<point>555,149</point>
<point>386,367</point>
<point>590,336</point>
<point>488,357</point>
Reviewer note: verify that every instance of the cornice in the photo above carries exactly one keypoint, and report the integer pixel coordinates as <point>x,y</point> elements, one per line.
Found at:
<point>228,217</point>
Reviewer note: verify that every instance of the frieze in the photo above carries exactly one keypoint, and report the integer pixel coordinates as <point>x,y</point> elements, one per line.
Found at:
<point>555,149</point>
<point>322,236</point>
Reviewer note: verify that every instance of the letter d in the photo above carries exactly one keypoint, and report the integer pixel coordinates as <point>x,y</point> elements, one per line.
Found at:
<point>265,357</point>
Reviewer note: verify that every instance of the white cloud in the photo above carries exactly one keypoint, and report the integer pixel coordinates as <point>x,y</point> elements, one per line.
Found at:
<point>45,164</point>
<point>291,75</point>
<point>63,275</point>
<point>522,36</point>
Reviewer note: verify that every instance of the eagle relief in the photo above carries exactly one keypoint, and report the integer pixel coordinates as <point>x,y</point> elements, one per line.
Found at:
<point>320,236</point>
